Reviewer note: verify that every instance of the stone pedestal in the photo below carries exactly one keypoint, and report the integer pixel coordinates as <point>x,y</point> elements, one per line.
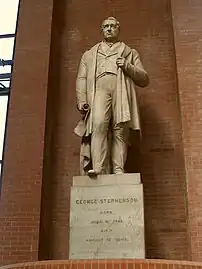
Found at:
<point>107,217</point>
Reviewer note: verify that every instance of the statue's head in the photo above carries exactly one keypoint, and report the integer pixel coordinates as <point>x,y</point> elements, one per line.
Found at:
<point>110,29</point>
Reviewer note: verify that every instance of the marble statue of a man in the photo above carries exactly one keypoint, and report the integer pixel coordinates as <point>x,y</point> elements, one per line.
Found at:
<point>106,97</point>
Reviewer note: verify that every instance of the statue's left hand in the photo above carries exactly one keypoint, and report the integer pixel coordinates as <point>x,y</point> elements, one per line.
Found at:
<point>121,62</point>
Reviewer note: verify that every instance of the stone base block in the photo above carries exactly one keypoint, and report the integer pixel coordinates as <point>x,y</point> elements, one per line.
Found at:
<point>107,218</point>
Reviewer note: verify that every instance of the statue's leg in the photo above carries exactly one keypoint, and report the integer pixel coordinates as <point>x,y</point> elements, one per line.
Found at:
<point>85,159</point>
<point>119,147</point>
<point>101,118</point>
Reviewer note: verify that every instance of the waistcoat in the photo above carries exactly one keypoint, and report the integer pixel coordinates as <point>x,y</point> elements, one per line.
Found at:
<point>106,59</point>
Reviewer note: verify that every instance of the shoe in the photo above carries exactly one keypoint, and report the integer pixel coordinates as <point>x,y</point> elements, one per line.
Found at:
<point>119,173</point>
<point>92,173</point>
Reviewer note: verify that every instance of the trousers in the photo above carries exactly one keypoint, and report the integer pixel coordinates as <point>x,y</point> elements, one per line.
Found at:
<point>109,140</point>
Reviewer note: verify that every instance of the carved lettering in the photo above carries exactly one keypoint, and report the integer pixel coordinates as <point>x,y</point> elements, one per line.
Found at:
<point>107,220</point>
<point>106,230</point>
<point>106,212</point>
<point>128,200</point>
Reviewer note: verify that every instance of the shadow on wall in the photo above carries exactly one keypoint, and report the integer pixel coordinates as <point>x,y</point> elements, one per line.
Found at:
<point>49,199</point>
<point>163,177</point>
<point>133,163</point>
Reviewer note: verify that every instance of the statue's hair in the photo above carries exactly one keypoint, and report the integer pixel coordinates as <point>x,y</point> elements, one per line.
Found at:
<point>111,18</point>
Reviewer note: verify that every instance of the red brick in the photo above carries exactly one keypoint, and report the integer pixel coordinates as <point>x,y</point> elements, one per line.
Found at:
<point>186,22</point>
<point>20,203</point>
<point>158,264</point>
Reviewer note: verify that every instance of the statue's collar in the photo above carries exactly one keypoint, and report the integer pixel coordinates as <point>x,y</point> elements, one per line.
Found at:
<point>124,51</point>
<point>105,49</point>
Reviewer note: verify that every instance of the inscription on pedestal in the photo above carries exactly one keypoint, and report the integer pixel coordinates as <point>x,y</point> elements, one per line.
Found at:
<point>107,222</point>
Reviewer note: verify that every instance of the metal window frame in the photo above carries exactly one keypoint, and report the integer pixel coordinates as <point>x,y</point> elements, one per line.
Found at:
<point>5,91</point>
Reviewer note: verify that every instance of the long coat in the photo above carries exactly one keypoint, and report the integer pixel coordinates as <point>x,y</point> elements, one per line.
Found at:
<point>126,103</point>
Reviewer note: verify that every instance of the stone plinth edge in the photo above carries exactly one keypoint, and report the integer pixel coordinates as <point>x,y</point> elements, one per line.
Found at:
<point>122,179</point>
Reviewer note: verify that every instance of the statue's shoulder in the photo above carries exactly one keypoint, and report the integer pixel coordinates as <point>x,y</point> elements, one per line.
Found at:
<point>88,53</point>
<point>134,51</point>
<point>128,51</point>
<point>85,56</point>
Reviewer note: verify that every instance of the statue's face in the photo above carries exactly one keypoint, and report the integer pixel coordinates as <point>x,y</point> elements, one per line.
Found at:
<point>110,30</point>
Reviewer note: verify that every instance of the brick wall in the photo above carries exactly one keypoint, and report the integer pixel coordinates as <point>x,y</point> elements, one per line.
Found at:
<point>187,22</point>
<point>20,203</point>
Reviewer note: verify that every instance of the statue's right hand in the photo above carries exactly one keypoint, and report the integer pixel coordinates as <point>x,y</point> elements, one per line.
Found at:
<point>83,108</point>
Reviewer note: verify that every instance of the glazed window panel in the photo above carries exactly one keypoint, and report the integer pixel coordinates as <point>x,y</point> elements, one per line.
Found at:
<point>8,16</point>
<point>6,53</point>
<point>6,48</point>
<point>3,111</point>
